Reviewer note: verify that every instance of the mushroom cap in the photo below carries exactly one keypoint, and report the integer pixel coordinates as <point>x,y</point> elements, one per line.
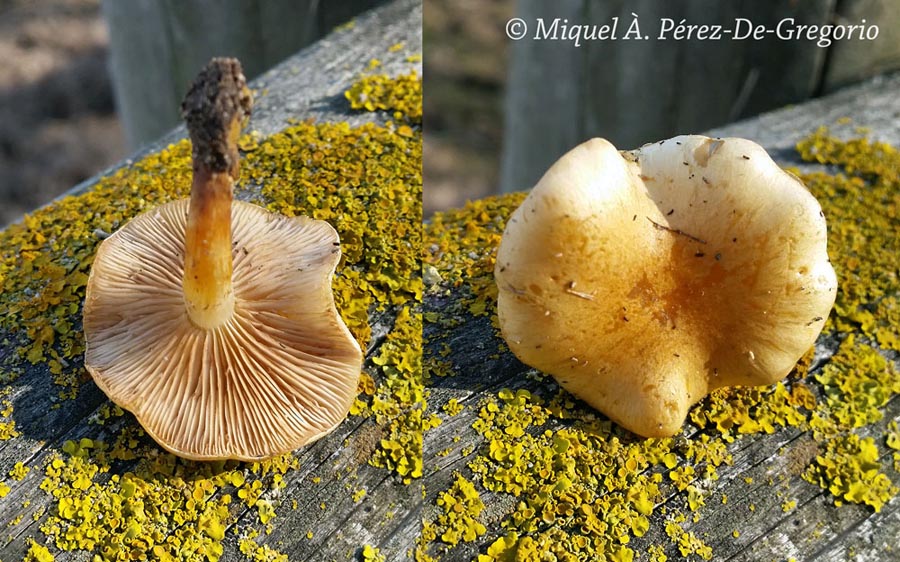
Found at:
<point>643,280</point>
<point>282,372</point>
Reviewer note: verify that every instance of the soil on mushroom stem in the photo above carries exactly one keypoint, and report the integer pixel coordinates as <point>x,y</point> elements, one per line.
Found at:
<point>57,118</point>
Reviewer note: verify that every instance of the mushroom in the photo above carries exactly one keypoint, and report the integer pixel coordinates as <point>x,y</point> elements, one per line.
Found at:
<point>644,280</point>
<point>213,320</point>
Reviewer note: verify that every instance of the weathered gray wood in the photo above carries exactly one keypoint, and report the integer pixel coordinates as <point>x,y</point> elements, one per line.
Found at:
<point>636,91</point>
<point>156,47</point>
<point>852,61</point>
<point>543,88</point>
<point>309,85</point>
<point>871,105</point>
<point>814,530</point>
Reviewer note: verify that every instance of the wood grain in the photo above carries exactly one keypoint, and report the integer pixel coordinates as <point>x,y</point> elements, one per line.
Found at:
<point>814,530</point>
<point>308,85</point>
<point>170,41</point>
<point>634,91</point>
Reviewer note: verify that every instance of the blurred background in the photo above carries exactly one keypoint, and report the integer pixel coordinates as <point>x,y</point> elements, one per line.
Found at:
<point>499,112</point>
<point>77,95</point>
<point>465,59</point>
<point>57,116</point>
<point>84,83</point>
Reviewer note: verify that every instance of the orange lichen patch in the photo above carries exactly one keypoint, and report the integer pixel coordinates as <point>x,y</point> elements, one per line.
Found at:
<point>563,467</point>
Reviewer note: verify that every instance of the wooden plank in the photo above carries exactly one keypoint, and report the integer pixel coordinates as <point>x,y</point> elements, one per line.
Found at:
<point>871,106</point>
<point>852,61</point>
<point>332,520</point>
<point>762,496</point>
<point>636,91</point>
<point>156,47</point>
<point>544,79</point>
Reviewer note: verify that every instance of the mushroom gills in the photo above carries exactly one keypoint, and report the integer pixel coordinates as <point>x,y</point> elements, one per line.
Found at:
<point>279,373</point>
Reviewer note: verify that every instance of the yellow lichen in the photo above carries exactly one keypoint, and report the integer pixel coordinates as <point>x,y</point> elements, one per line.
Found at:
<point>371,554</point>
<point>259,553</point>
<point>849,470</point>
<point>892,439</point>
<point>7,425</point>
<point>687,542</point>
<point>861,206</point>
<point>551,455</point>
<point>138,511</point>
<point>37,553</point>
<point>452,407</point>
<point>398,404</point>
<point>366,181</point>
<point>19,471</point>
<point>857,381</point>
<point>402,96</point>
<point>461,506</point>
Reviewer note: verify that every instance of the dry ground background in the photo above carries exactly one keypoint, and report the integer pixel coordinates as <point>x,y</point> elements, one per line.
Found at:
<point>57,116</point>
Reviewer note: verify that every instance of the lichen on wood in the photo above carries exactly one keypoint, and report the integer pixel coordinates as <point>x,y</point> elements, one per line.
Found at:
<point>556,476</point>
<point>113,492</point>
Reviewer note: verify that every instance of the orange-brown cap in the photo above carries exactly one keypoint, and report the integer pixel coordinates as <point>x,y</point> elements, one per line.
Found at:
<point>643,280</point>
<point>280,373</point>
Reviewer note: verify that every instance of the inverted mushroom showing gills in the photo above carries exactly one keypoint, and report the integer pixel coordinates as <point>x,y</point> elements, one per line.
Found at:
<point>213,320</point>
<point>643,280</point>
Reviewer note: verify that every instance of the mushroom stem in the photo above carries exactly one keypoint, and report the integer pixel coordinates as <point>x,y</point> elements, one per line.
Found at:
<point>208,293</point>
<point>215,109</point>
